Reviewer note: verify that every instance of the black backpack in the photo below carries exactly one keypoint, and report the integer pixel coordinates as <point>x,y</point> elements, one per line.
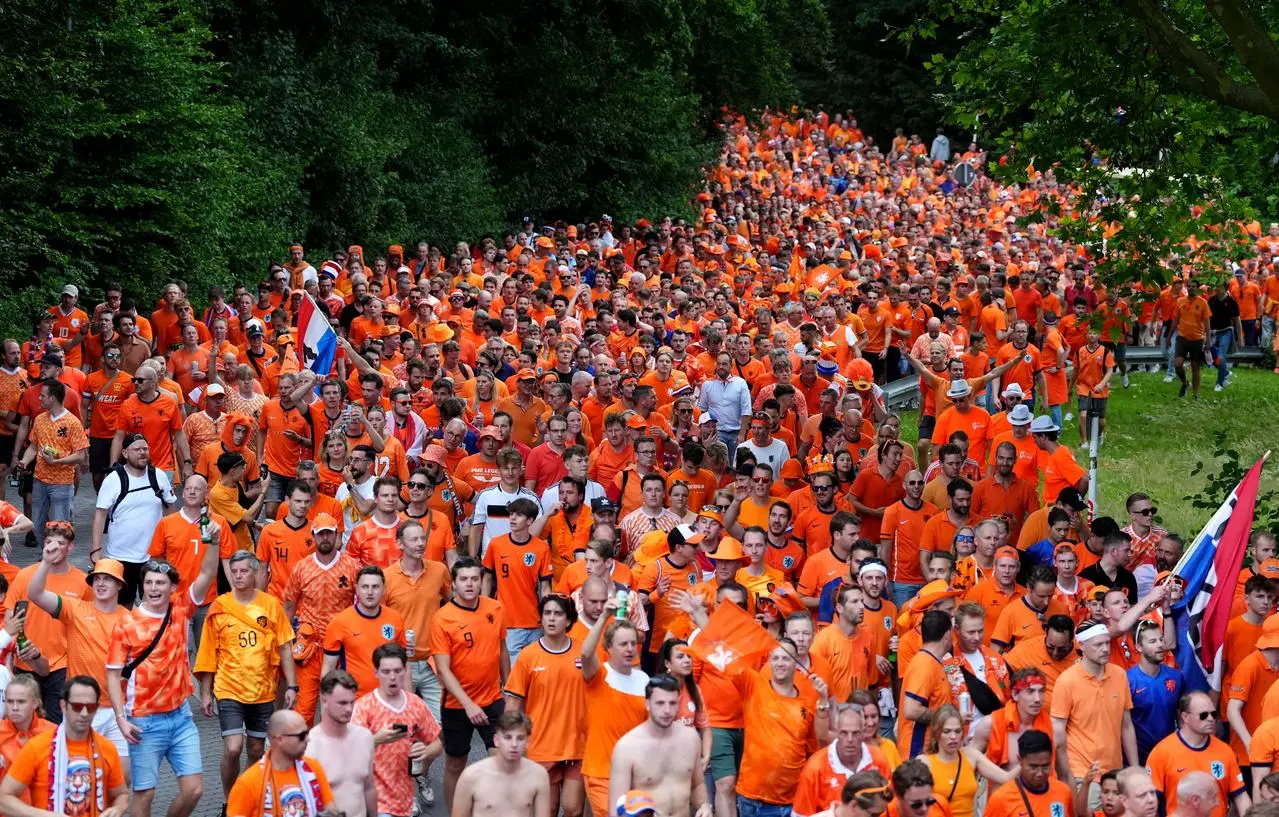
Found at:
<point>123,475</point>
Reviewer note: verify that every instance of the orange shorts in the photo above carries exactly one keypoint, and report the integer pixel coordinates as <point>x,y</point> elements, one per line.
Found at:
<point>597,795</point>
<point>563,771</point>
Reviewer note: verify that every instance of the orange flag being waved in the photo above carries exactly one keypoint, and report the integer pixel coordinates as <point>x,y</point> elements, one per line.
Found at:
<point>730,636</point>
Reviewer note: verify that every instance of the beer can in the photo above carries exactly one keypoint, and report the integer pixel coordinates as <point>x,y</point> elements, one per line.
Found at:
<point>620,613</point>
<point>410,638</point>
<point>965,706</point>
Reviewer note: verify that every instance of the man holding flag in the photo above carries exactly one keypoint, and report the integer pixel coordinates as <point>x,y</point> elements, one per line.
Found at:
<point>317,342</point>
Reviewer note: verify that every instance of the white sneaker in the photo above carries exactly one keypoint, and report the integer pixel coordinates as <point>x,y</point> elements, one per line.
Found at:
<point>1168,378</point>
<point>1218,387</point>
<point>1084,444</point>
<point>1125,381</point>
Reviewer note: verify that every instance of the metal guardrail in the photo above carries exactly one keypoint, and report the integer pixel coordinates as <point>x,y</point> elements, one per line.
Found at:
<point>903,394</point>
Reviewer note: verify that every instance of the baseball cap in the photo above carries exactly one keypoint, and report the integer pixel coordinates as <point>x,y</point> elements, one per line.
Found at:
<point>254,328</point>
<point>636,421</point>
<point>784,598</point>
<point>51,359</point>
<point>131,439</point>
<point>72,290</point>
<point>1071,498</point>
<point>323,521</point>
<point>636,803</point>
<point>683,535</point>
<point>602,504</point>
<point>526,374</point>
<point>1269,639</point>
<point>214,390</point>
<point>712,512</point>
<point>706,417</point>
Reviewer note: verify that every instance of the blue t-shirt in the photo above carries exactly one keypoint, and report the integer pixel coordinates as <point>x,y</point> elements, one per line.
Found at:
<point>1154,706</point>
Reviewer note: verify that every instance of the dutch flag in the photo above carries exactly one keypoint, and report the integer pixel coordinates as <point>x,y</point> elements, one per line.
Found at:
<point>1210,569</point>
<point>317,342</point>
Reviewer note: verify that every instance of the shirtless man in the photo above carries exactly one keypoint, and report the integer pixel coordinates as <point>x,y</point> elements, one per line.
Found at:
<point>344,749</point>
<point>661,757</point>
<point>505,782</point>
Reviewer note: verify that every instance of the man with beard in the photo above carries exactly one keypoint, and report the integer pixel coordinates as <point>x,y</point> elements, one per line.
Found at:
<point>661,756</point>
<point>319,587</point>
<point>997,735</point>
<point>848,646</point>
<point>104,392</point>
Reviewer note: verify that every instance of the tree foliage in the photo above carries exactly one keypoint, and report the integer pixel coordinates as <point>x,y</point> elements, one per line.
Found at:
<point>148,139</point>
<point>1162,115</point>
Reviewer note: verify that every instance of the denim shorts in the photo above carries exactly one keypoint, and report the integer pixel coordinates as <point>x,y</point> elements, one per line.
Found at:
<point>517,638</point>
<point>171,736</point>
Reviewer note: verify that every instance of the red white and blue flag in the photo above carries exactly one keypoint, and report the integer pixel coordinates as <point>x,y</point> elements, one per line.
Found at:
<point>1210,570</point>
<point>317,342</point>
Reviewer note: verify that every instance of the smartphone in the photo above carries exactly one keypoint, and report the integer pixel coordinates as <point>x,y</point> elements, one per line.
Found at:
<point>20,608</point>
<point>400,727</point>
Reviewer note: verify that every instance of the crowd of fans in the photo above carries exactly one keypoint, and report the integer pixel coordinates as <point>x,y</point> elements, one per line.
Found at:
<point>538,466</point>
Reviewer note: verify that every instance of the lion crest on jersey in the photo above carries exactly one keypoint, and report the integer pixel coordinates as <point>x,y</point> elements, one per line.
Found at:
<point>388,632</point>
<point>1218,770</point>
<point>1057,810</point>
<point>788,562</point>
<point>529,558</point>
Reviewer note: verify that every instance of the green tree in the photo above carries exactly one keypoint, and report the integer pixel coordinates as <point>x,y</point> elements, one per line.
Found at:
<point>1162,115</point>
<point>123,161</point>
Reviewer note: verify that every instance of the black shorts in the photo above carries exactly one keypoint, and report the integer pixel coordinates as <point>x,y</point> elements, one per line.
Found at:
<point>1189,349</point>
<point>458,728</point>
<point>6,449</point>
<point>927,422</point>
<point>99,455</point>
<point>240,718</point>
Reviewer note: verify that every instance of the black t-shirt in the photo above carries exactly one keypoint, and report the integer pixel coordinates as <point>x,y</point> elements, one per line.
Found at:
<point>1224,311</point>
<point>1124,580</point>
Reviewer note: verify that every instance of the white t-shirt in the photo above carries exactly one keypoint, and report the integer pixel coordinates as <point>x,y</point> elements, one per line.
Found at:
<point>491,514</point>
<point>773,455</point>
<point>129,536</point>
<point>351,515</point>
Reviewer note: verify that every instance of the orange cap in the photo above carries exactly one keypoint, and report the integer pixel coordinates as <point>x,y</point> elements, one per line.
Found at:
<point>323,522</point>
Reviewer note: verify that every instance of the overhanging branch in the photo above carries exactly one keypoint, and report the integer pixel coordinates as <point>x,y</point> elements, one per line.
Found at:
<point>1250,40</point>
<point>1195,69</point>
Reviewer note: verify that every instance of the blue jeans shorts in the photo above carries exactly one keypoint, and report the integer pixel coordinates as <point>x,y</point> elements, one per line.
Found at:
<point>171,736</point>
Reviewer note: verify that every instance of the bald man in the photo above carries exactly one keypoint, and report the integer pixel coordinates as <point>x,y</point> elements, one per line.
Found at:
<point>1137,793</point>
<point>301,788</point>
<point>1197,796</point>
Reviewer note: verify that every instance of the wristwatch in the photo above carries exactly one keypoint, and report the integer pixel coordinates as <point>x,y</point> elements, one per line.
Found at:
<point>293,688</point>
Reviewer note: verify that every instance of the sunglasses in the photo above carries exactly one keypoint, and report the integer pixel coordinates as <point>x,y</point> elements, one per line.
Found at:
<point>418,486</point>
<point>1147,512</point>
<point>915,805</point>
<point>722,508</point>
<point>156,566</point>
<point>761,480</point>
<point>299,735</point>
<point>1203,716</point>
<point>80,709</point>
<point>823,487</point>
